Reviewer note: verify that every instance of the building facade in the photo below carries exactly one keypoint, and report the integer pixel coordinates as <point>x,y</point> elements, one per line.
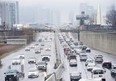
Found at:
<point>9,13</point>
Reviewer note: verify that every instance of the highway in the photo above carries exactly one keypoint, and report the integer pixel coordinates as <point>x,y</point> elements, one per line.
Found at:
<point>83,69</point>
<point>49,42</point>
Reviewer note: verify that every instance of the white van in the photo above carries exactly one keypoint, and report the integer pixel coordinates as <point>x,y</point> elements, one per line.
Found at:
<point>98,73</point>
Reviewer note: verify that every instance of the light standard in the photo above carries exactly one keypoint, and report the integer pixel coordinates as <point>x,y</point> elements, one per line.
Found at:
<point>81,17</point>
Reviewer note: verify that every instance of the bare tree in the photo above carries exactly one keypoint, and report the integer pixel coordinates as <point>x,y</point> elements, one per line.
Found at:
<point>111,17</point>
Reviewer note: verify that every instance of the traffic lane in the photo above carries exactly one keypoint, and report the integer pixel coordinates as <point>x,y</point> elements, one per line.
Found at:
<point>80,68</point>
<point>106,57</point>
<point>8,61</point>
<point>38,59</point>
<point>92,55</point>
<point>9,58</point>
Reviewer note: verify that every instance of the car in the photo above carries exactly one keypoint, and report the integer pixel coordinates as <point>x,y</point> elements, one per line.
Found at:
<point>72,56</point>
<point>42,44</point>
<point>98,58</point>
<point>33,73</point>
<point>107,64</point>
<point>32,47</point>
<point>90,66</point>
<point>16,61</point>
<point>12,75</point>
<point>27,49</point>
<point>84,48</point>
<point>75,76</point>
<point>83,57</point>
<point>73,62</point>
<point>67,51</point>
<point>37,51</point>
<point>48,49</point>
<point>32,60</point>
<point>88,61</point>
<point>40,40</point>
<point>21,56</point>
<point>75,43</point>
<point>98,73</point>
<point>113,71</point>
<point>88,50</point>
<point>42,65</point>
<point>46,57</point>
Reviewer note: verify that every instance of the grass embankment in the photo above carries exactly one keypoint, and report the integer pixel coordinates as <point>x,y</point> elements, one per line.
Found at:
<point>6,49</point>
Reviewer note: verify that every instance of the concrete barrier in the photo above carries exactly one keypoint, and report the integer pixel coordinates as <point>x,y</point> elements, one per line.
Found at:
<point>57,75</point>
<point>104,41</point>
<point>17,41</point>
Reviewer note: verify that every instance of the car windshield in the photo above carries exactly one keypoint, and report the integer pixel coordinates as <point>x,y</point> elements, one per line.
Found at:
<point>114,67</point>
<point>9,76</point>
<point>98,72</point>
<point>72,57</point>
<point>32,70</point>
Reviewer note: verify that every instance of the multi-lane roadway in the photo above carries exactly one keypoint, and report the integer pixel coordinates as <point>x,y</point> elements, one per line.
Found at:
<point>49,41</point>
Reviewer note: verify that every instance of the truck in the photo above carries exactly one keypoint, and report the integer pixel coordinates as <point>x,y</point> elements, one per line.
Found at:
<point>12,75</point>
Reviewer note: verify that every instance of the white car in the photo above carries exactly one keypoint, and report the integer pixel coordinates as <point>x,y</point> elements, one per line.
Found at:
<point>48,49</point>
<point>98,73</point>
<point>90,66</point>
<point>83,57</point>
<point>42,65</point>
<point>88,61</point>
<point>16,61</point>
<point>37,51</point>
<point>46,57</point>
<point>73,62</point>
<point>33,73</point>
<point>27,49</point>
<point>21,56</point>
<point>32,60</point>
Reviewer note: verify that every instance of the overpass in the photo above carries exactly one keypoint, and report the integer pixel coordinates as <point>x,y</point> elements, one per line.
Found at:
<point>52,30</point>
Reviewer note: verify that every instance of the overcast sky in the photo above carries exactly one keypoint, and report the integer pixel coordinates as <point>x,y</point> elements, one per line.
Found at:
<point>63,5</point>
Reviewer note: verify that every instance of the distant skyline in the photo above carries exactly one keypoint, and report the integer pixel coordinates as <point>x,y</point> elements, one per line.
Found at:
<point>28,8</point>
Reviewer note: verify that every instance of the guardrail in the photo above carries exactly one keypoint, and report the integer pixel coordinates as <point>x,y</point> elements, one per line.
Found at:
<point>56,76</point>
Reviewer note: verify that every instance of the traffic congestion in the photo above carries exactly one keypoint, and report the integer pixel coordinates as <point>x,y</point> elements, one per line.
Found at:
<point>37,60</point>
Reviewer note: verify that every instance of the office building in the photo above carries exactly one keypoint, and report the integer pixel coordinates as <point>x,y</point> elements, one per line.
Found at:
<point>9,13</point>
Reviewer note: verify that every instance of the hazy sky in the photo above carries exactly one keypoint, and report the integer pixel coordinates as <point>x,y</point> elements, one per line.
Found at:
<point>29,6</point>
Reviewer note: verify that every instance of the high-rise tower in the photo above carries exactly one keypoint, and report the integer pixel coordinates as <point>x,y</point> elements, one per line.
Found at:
<point>98,19</point>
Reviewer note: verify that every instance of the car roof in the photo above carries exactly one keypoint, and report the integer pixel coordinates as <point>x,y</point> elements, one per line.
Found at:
<point>75,73</point>
<point>91,79</point>
<point>97,68</point>
<point>11,72</point>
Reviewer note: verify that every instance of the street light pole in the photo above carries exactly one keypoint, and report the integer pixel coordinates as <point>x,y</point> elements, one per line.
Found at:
<point>82,17</point>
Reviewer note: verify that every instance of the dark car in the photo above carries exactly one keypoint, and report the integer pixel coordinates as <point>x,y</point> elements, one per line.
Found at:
<point>107,65</point>
<point>113,71</point>
<point>12,75</point>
